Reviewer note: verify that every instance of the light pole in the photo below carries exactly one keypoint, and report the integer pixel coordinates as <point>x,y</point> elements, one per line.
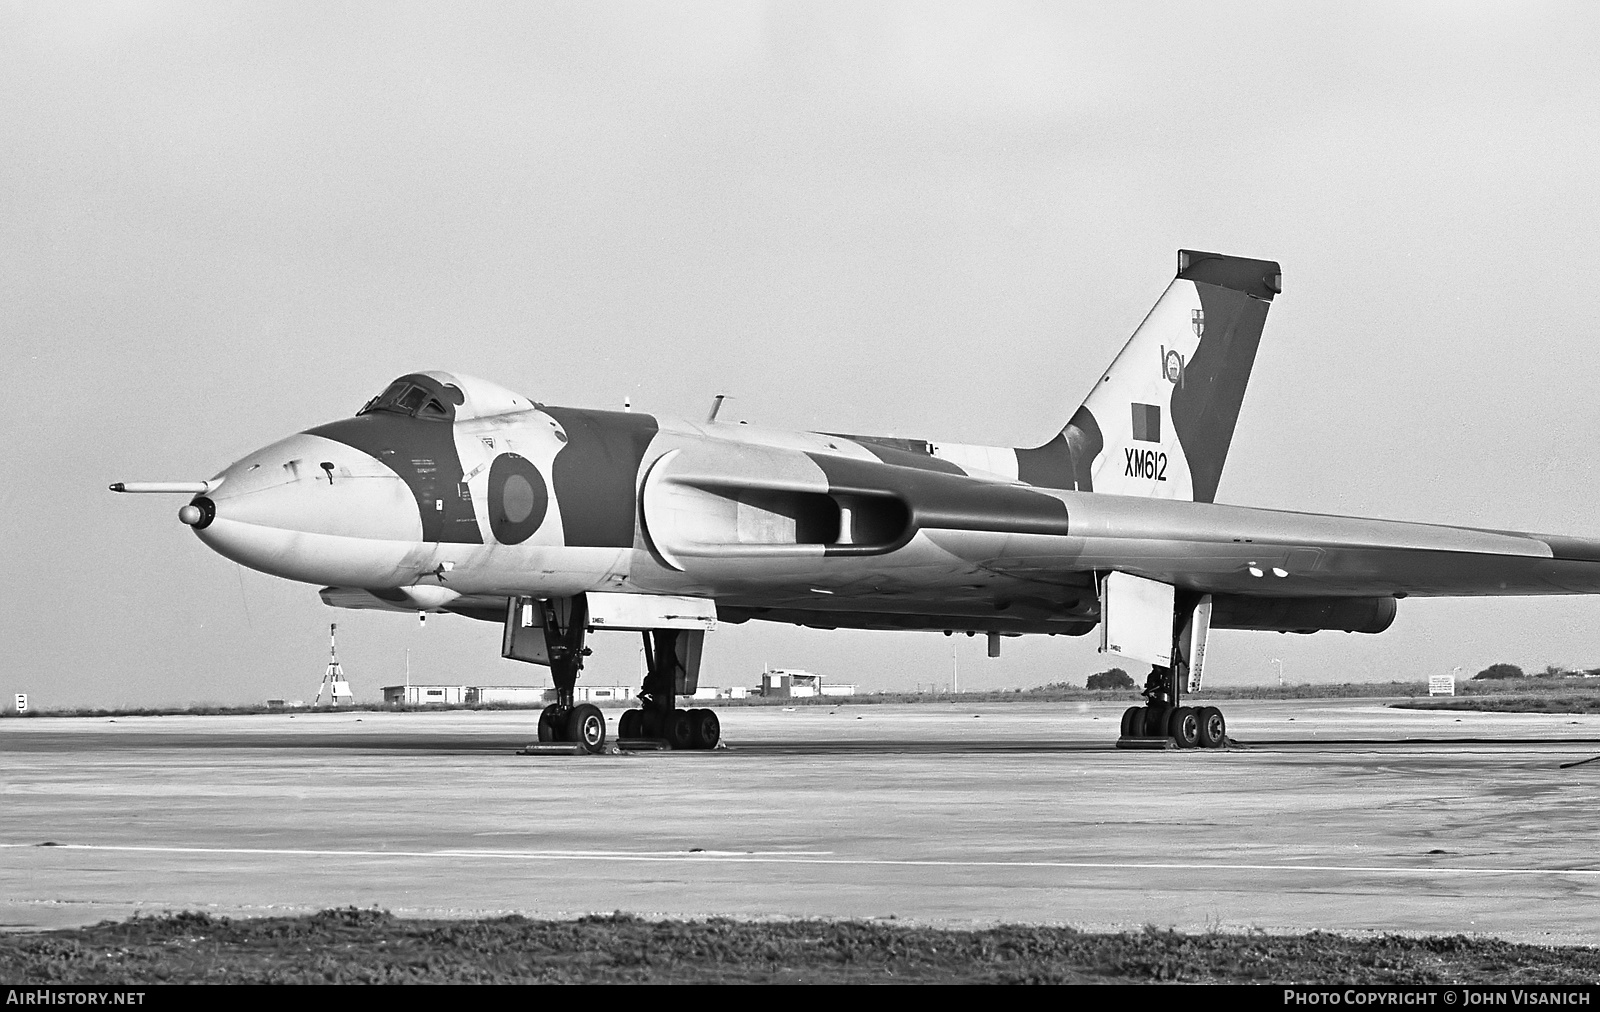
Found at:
<point>1280,671</point>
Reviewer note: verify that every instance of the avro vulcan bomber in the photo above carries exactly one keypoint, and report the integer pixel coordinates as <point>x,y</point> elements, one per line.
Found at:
<point>446,493</point>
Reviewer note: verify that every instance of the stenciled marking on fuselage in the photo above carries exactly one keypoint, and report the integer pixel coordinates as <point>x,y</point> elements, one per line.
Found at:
<point>1150,464</point>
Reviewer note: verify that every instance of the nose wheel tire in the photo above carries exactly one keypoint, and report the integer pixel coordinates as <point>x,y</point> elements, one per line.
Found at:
<point>586,726</point>
<point>551,727</point>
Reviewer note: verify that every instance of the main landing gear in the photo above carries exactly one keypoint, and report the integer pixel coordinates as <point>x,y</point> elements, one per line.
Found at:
<point>1162,718</point>
<point>682,729</point>
<point>1164,721</point>
<point>672,663</point>
<point>552,632</point>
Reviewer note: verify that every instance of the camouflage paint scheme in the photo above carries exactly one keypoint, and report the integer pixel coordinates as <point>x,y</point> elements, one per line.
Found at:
<point>451,493</point>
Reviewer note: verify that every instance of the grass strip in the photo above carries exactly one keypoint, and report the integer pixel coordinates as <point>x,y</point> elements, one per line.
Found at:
<point>370,946</point>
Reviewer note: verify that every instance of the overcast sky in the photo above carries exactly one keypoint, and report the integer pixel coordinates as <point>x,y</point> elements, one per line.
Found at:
<point>223,223</point>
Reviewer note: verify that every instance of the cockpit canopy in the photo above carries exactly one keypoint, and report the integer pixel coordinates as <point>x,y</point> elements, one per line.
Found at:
<point>445,397</point>
<point>418,396</point>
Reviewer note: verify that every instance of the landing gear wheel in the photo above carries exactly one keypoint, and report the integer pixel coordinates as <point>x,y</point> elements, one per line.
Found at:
<point>679,730</point>
<point>1156,716</point>
<point>705,728</point>
<point>1133,722</point>
<point>1183,726</point>
<point>586,726</point>
<point>630,724</point>
<point>551,726</point>
<point>649,725</point>
<point>1213,728</point>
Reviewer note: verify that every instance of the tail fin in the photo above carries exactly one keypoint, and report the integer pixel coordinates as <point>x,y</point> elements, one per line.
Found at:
<point>1159,422</point>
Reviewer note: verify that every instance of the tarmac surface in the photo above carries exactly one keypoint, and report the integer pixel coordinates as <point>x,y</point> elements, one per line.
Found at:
<point>1341,815</point>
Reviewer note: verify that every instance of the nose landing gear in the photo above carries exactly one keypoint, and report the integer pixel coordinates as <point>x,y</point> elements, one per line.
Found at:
<point>565,721</point>
<point>582,725</point>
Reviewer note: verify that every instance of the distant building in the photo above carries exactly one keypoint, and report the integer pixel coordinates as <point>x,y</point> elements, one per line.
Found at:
<point>789,684</point>
<point>506,695</point>
<point>796,684</point>
<point>533,695</point>
<point>284,704</point>
<point>592,694</point>
<point>498,695</point>
<point>422,695</point>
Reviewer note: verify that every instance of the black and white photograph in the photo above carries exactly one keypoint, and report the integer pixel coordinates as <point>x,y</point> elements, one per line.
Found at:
<point>801,492</point>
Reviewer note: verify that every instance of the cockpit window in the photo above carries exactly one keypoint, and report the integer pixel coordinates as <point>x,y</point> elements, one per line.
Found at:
<point>388,396</point>
<point>417,396</point>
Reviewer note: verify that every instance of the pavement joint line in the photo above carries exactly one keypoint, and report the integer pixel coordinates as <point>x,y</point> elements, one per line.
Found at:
<point>812,857</point>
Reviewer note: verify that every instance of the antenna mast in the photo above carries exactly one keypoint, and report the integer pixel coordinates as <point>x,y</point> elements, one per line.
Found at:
<point>333,680</point>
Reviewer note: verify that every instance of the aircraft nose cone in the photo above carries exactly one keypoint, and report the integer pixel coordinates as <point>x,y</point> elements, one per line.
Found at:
<point>309,508</point>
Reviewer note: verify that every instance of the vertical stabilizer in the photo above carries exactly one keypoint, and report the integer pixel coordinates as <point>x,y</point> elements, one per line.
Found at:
<point>1159,422</point>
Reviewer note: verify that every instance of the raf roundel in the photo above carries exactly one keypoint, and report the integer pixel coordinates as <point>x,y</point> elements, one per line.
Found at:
<point>518,499</point>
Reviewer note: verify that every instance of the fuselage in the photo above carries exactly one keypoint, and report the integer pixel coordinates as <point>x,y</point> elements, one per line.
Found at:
<point>429,502</point>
